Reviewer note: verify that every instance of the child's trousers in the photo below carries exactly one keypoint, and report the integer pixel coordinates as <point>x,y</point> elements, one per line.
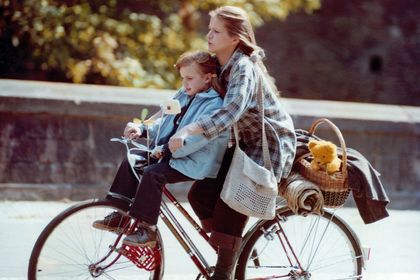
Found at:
<point>148,194</point>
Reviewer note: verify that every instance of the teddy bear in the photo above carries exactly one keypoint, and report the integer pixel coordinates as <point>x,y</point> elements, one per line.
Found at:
<point>324,155</point>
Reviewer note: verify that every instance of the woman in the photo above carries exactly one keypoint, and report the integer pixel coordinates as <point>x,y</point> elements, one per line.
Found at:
<point>232,40</point>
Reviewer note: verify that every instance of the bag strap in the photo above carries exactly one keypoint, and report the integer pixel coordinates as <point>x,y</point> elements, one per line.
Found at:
<point>260,95</point>
<point>266,152</point>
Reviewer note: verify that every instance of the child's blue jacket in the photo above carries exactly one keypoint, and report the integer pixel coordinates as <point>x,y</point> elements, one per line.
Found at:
<point>200,157</point>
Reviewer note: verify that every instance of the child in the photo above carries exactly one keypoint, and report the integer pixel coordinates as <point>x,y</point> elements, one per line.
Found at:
<point>198,159</point>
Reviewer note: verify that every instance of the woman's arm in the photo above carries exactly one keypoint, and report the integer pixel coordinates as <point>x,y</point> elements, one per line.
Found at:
<point>237,100</point>
<point>239,96</point>
<point>177,140</point>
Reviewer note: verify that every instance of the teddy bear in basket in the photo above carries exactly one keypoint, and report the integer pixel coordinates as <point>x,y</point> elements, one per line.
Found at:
<point>324,155</point>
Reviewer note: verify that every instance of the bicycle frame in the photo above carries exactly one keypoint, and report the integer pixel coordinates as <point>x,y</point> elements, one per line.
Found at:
<point>188,245</point>
<point>191,249</point>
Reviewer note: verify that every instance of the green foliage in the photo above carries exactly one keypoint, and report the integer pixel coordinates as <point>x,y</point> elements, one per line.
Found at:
<point>100,41</point>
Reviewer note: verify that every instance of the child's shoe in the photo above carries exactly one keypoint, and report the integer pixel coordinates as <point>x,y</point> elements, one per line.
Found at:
<point>114,222</point>
<point>144,236</point>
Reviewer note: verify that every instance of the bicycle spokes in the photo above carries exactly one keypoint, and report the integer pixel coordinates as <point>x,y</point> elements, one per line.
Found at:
<point>301,248</point>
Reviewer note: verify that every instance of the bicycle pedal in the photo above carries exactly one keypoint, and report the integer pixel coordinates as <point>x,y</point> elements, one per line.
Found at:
<point>143,257</point>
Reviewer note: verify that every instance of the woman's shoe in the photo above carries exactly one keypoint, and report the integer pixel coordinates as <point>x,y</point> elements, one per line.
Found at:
<point>225,266</point>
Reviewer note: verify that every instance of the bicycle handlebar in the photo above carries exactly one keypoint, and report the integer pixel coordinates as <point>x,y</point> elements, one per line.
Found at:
<point>126,141</point>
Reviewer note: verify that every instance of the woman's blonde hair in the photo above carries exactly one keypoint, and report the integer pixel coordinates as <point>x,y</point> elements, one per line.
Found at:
<point>206,63</point>
<point>237,24</point>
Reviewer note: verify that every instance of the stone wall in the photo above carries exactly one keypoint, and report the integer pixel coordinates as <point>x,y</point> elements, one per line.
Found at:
<point>58,134</point>
<point>54,137</point>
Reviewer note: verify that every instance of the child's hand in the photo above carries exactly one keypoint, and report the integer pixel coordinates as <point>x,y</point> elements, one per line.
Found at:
<point>132,131</point>
<point>157,152</point>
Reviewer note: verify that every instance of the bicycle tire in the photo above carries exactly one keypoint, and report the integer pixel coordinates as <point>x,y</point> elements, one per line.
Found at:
<point>69,244</point>
<point>326,247</point>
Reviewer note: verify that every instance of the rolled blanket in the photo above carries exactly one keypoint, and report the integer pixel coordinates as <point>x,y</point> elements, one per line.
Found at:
<point>302,196</point>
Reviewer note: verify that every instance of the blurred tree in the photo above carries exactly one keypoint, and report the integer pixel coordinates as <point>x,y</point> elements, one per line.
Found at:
<point>127,43</point>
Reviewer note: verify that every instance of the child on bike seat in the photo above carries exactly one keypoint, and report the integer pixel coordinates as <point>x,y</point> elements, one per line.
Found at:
<point>200,157</point>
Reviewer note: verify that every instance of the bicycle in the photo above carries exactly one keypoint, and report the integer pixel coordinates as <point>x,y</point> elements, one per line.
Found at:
<point>287,247</point>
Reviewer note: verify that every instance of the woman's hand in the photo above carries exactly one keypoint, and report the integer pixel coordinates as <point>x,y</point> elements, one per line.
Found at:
<point>132,131</point>
<point>177,140</point>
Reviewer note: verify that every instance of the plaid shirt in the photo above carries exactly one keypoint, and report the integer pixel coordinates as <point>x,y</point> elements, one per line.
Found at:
<point>241,107</point>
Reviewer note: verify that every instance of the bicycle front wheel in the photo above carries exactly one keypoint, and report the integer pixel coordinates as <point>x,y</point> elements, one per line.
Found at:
<point>70,248</point>
<point>296,247</point>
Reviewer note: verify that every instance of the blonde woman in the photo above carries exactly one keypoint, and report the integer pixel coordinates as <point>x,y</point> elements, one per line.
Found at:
<point>231,39</point>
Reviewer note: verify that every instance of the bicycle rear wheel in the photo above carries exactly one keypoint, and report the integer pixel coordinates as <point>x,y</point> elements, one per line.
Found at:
<point>325,248</point>
<point>70,248</point>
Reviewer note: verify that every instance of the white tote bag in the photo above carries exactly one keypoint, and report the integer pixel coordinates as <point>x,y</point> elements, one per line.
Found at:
<point>249,188</point>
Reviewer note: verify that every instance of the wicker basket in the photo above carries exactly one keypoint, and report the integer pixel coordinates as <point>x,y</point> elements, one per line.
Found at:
<point>334,187</point>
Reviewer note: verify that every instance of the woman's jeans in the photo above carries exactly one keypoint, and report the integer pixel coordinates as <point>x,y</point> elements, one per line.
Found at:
<point>148,194</point>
